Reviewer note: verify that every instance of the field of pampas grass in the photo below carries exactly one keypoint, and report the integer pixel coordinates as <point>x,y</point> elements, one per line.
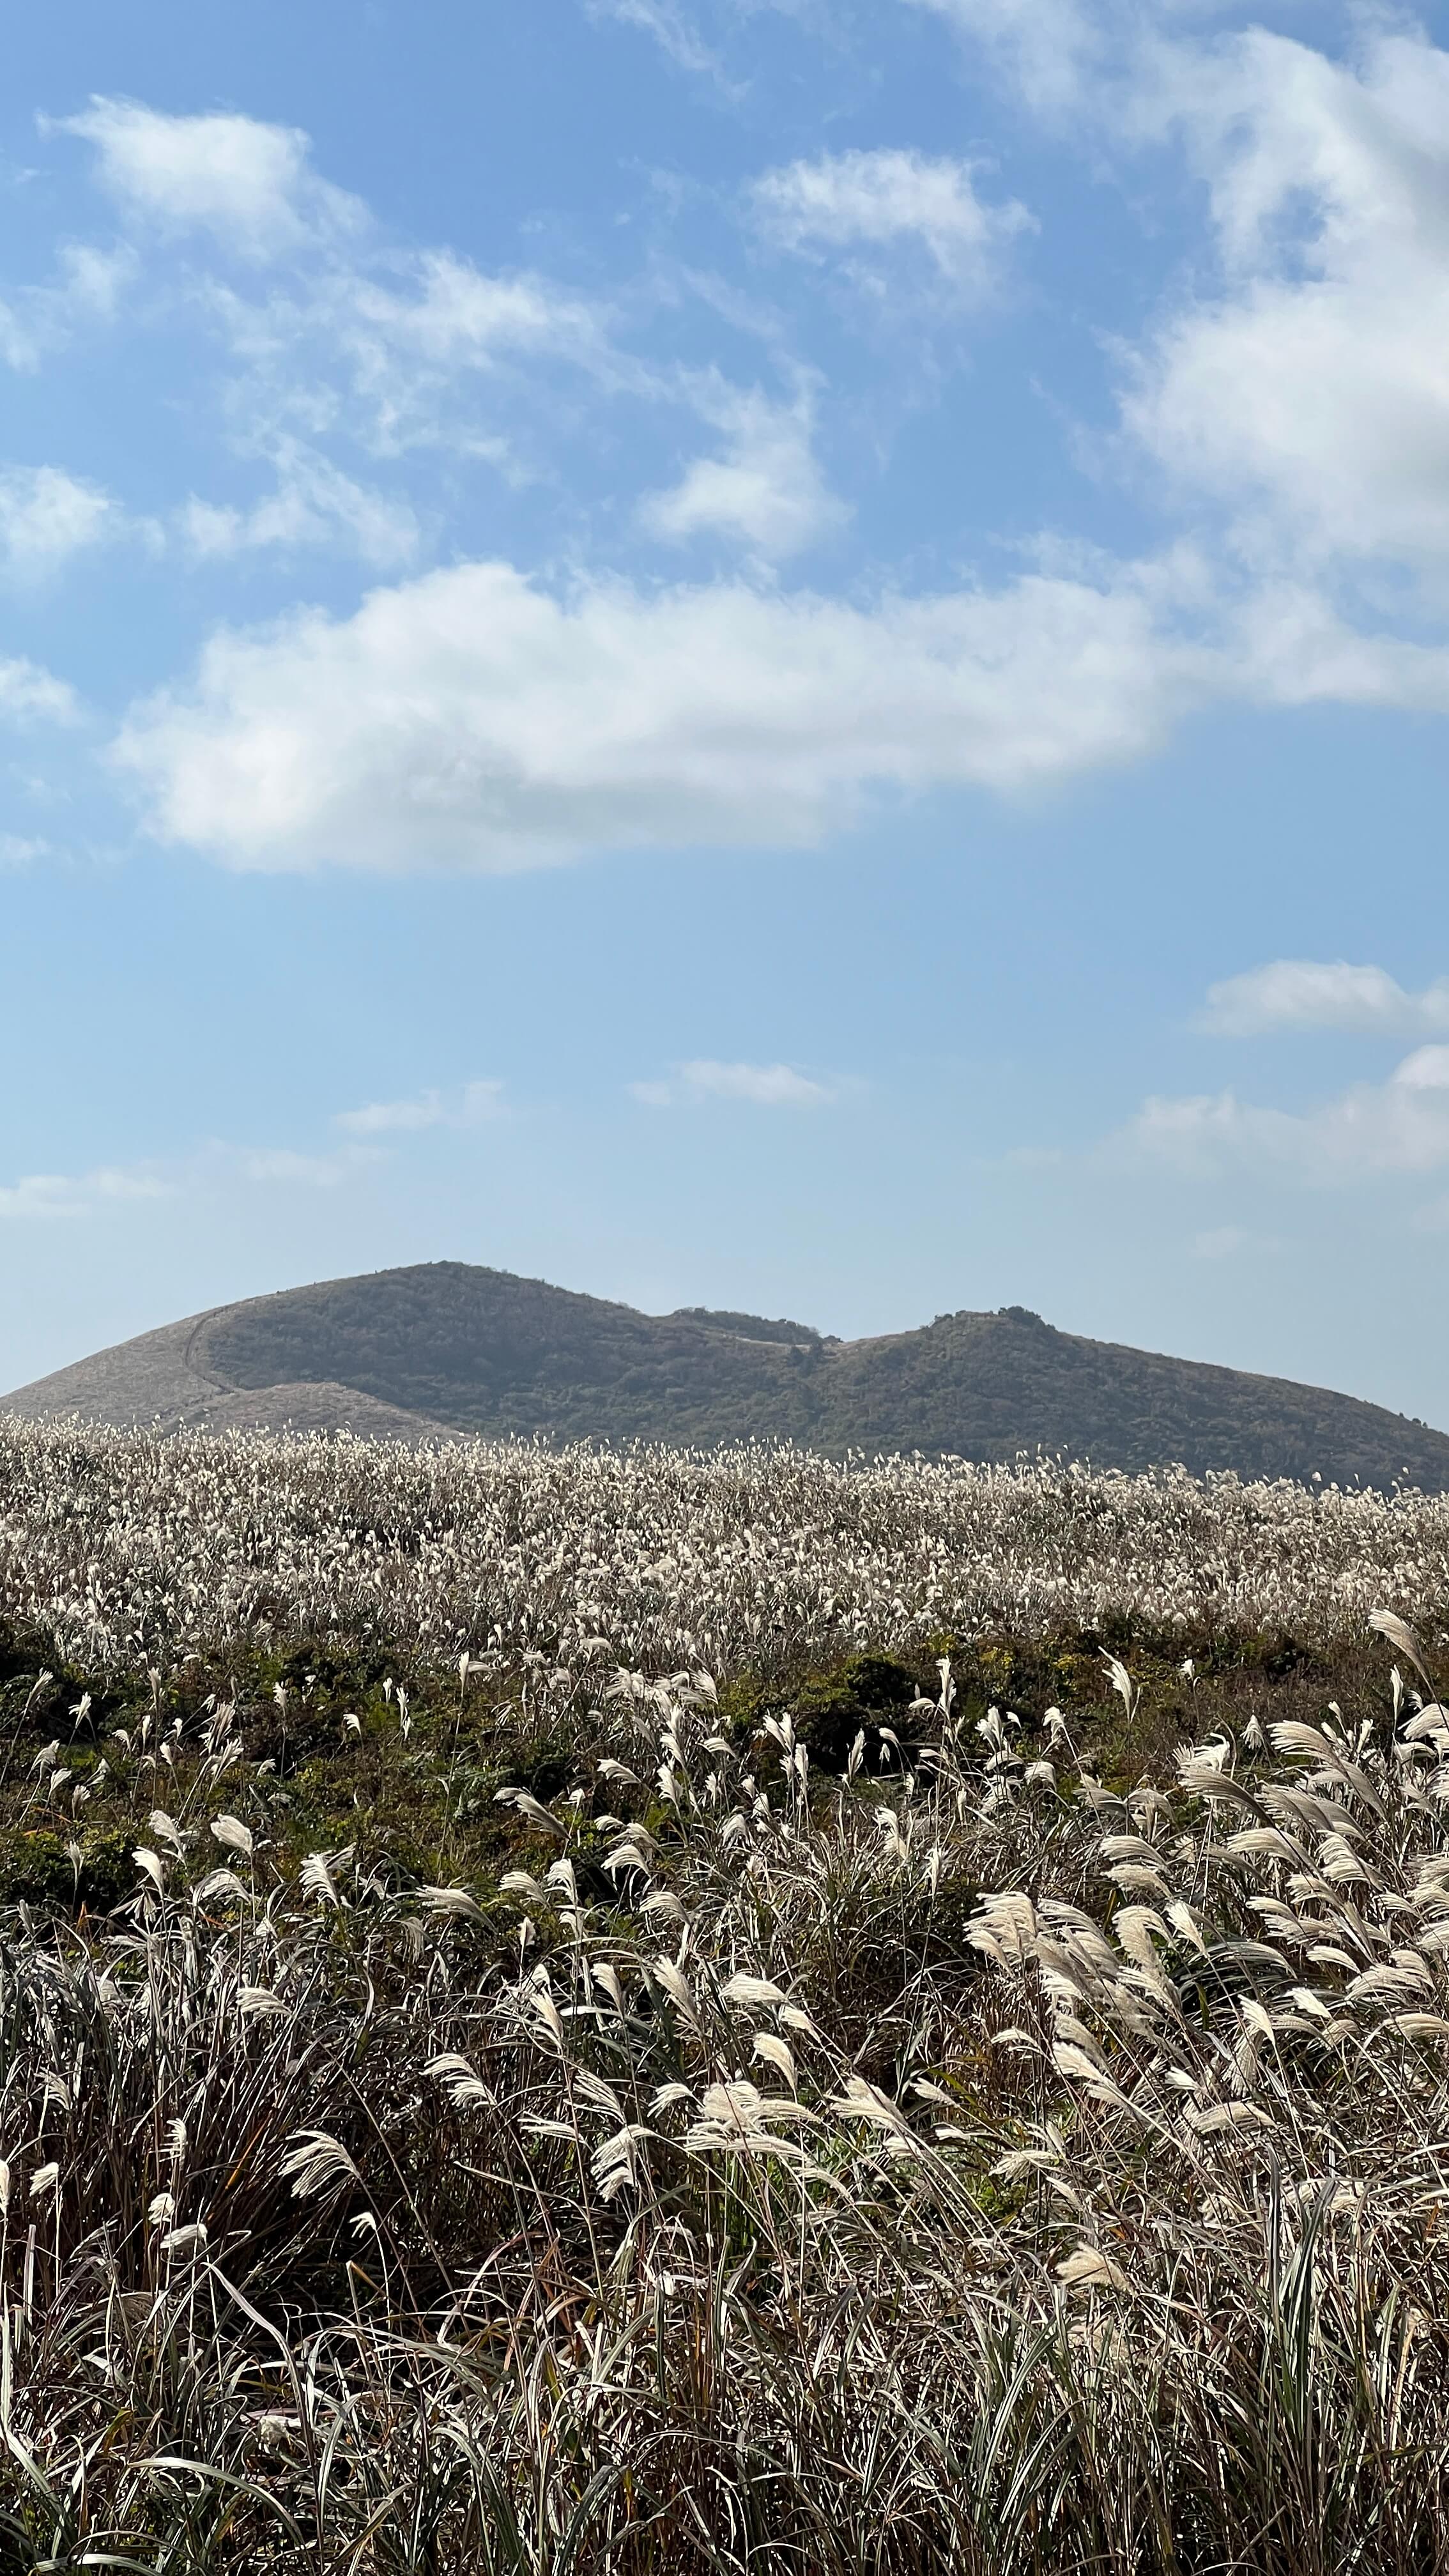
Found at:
<point>657,2016</point>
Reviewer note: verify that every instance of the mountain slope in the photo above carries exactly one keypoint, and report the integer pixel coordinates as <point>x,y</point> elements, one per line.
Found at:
<point>446,1347</point>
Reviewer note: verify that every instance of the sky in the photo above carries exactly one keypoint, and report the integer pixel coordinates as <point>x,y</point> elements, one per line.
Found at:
<point>778,654</point>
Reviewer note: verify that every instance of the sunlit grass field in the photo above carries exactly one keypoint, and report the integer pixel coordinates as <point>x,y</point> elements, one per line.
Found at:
<point>634,2012</point>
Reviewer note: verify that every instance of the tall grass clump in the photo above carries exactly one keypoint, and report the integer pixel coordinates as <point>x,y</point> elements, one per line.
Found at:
<point>119,1544</point>
<point>967,2153</point>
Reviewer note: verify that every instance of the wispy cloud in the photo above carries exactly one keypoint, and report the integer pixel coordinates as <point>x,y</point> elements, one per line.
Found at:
<point>763,1086</point>
<point>670,28</point>
<point>313,504</point>
<point>213,1166</point>
<point>765,489</point>
<point>249,185</point>
<point>1296,993</point>
<point>280,1163</point>
<point>55,1194</point>
<point>332,329</point>
<point>887,200</point>
<point>47,515</point>
<point>86,291</point>
<point>472,1106</point>
<point>1045,47</point>
<point>1371,1131</point>
<point>29,694</point>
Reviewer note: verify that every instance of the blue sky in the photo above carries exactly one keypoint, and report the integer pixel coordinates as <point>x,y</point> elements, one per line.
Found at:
<point>789,656</point>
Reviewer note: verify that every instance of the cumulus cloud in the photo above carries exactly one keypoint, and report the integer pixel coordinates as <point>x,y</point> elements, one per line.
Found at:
<point>249,185</point>
<point>763,1086</point>
<point>47,515</point>
<point>1296,993</point>
<point>766,489</point>
<point>471,719</point>
<point>1374,1130</point>
<point>1310,393</point>
<point>1302,391</point>
<point>882,200</point>
<point>472,1106</point>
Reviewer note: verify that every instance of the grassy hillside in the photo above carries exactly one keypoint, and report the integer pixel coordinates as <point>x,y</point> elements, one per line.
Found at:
<point>494,1354</point>
<point>482,1351</point>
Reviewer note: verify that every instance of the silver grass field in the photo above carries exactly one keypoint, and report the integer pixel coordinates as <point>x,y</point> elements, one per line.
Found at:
<point>971,2155</point>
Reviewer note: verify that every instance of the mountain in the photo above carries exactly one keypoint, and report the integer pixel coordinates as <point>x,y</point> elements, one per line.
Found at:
<point>444,1348</point>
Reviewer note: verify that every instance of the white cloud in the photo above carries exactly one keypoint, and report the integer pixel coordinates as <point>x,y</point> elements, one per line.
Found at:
<point>221,1163</point>
<point>1427,1069</point>
<point>1219,1242</point>
<point>473,718</point>
<point>1296,993</point>
<point>885,199</point>
<point>470,719</point>
<point>764,1086</point>
<point>1372,1131</point>
<point>1045,47</point>
<point>278,1163</point>
<point>669,27</point>
<point>47,515</point>
<point>247,184</point>
<point>314,504</point>
<point>41,1195</point>
<point>388,354</point>
<point>766,489</point>
<point>87,290</point>
<point>1310,394</point>
<point>346,333</point>
<point>54,1194</point>
<point>473,1106</point>
<point>1303,394</point>
<point>29,694</point>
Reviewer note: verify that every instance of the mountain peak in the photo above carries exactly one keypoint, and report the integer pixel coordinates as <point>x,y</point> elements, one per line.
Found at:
<point>448,1347</point>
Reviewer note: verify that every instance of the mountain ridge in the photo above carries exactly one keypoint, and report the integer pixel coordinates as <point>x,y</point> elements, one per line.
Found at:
<point>439,1349</point>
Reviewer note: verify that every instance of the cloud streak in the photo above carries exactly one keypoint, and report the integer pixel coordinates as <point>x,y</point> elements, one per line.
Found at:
<point>760,1086</point>
<point>44,1196</point>
<point>475,1105</point>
